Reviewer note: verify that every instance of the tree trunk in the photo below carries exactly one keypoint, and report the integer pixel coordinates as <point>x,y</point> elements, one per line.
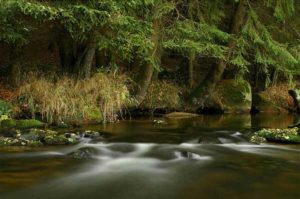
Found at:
<point>102,59</point>
<point>66,56</point>
<point>146,72</point>
<point>16,74</point>
<point>206,87</point>
<point>15,68</point>
<point>85,59</point>
<point>191,69</point>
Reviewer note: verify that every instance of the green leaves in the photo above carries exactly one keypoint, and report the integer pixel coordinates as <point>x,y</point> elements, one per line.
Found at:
<point>189,36</point>
<point>267,51</point>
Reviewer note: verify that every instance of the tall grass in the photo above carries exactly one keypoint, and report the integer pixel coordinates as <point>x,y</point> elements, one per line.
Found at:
<point>99,98</point>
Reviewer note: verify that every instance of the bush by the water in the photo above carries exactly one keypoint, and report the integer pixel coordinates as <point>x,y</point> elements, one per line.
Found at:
<point>99,99</point>
<point>163,94</point>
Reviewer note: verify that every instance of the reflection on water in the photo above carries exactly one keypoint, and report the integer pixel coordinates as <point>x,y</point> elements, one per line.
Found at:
<point>205,157</point>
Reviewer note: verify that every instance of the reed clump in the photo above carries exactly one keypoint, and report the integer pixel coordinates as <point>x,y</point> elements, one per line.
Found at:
<point>100,98</point>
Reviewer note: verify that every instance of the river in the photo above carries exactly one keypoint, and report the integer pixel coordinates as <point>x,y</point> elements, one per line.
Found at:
<point>202,157</point>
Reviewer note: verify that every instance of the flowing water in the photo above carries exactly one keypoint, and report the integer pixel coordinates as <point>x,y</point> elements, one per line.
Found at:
<point>203,157</point>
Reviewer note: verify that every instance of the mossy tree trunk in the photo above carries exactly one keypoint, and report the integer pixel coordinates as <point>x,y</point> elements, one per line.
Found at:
<point>146,72</point>
<point>15,67</point>
<point>206,87</point>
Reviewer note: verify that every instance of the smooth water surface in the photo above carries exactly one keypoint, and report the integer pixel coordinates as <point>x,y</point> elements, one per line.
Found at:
<point>203,157</point>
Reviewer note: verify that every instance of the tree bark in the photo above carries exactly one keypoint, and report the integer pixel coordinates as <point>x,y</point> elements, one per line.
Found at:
<point>146,72</point>
<point>85,59</point>
<point>191,69</point>
<point>15,68</point>
<point>206,87</point>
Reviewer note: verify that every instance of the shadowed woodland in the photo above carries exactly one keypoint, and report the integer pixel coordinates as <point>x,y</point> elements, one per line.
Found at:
<point>98,60</point>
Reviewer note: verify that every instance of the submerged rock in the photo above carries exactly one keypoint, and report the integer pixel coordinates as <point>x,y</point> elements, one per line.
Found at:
<point>288,136</point>
<point>160,122</point>
<point>181,115</point>
<point>83,153</point>
<point>90,134</point>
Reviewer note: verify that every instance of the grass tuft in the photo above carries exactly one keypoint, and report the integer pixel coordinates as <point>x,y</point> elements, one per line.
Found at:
<point>100,98</point>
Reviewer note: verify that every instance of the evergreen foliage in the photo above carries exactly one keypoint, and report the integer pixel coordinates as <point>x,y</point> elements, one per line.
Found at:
<point>144,30</point>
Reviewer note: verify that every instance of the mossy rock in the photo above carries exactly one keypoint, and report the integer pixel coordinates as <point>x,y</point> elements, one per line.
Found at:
<point>27,124</point>
<point>5,141</point>
<point>232,96</point>
<point>37,137</point>
<point>59,140</point>
<point>285,136</point>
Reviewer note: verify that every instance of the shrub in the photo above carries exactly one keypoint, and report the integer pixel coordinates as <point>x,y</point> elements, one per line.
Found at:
<point>99,98</point>
<point>162,94</point>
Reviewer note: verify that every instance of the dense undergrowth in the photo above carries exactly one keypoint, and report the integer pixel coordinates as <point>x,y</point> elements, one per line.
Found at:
<point>102,98</point>
<point>163,94</point>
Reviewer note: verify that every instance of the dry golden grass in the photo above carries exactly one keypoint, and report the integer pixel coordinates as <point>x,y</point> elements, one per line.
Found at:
<point>279,95</point>
<point>104,95</point>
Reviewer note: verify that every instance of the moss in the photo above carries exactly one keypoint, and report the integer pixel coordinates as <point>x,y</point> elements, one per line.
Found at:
<point>5,141</point>
<point>289,136</point>
<point>94,114</point>
<point>37,137</point>
<point>59,140</point>
<point>25,124</point>
<point>19,124</point>
<point>7,124</point>
<point>233,96</point>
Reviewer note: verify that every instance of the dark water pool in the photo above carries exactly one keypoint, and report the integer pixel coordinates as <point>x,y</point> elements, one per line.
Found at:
<point>203,157</point>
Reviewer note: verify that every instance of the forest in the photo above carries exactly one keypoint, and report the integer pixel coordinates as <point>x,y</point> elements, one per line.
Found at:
<point>66,60</point>
<point>164,99</point>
